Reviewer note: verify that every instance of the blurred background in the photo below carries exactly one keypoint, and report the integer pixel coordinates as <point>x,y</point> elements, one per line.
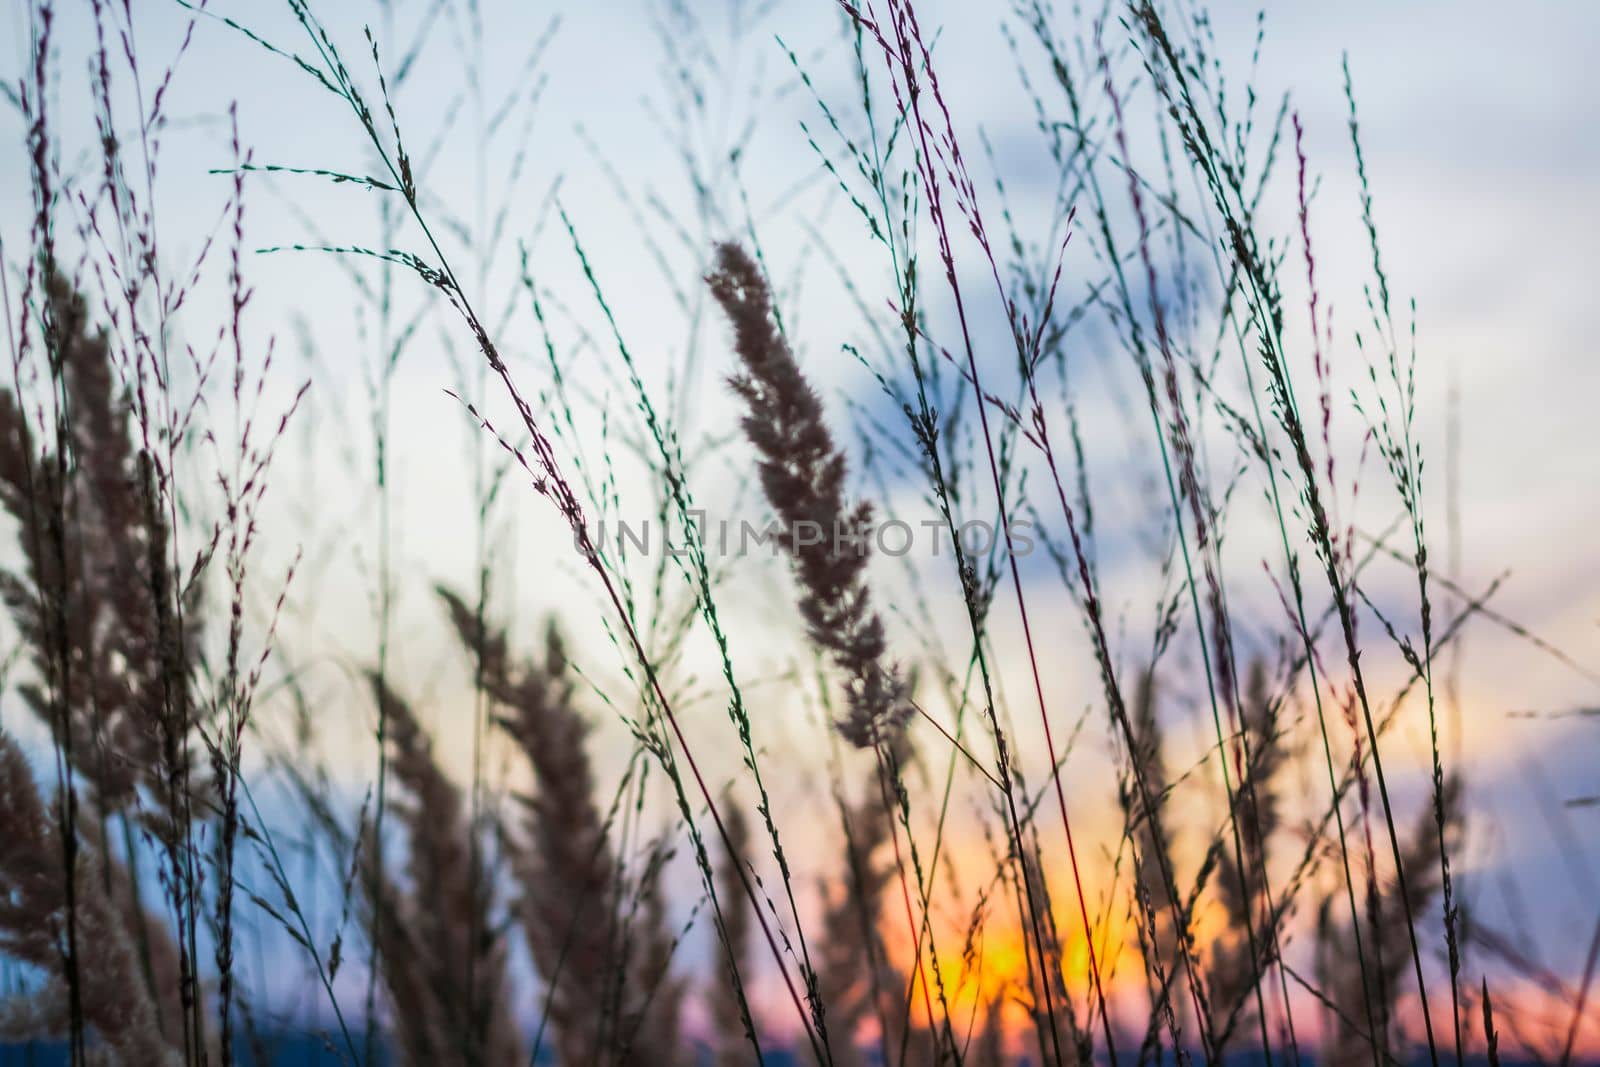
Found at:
<point>640,132</point>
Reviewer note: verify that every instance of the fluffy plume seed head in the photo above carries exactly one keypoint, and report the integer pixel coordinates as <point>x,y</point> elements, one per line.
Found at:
<point>803,476</point>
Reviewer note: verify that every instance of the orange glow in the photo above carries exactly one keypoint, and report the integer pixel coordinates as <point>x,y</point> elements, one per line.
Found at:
<point>995,976</point>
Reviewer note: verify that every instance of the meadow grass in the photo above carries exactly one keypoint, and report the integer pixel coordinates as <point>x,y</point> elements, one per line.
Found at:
<point>618,877</point>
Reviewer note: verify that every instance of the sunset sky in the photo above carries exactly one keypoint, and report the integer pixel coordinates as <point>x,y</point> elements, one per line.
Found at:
<point>1479,124</point>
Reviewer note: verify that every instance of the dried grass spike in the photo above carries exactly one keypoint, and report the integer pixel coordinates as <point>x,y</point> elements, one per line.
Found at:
<point>803,476</point>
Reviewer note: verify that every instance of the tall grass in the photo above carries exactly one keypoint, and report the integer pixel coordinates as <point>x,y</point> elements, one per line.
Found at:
<point>557,850</point>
